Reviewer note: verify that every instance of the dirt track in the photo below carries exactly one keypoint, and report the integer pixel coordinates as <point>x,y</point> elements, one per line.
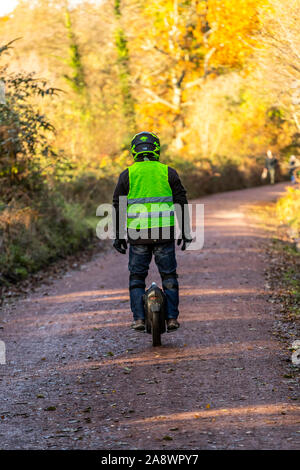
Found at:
<point>78,377</point>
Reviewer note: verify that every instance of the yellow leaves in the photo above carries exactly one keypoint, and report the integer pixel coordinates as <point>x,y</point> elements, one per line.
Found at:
<point>233,30</point>
<point>104,161</point>
<point>189,40</point>
<point>197,415</point>
<point>288,209</point>
<point>16,218</point>
<point>173,56</point>
<point>4,19</point>
<point>110,164</point>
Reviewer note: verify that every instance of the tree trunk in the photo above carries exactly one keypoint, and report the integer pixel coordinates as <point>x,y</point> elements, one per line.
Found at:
<point>124,70</point>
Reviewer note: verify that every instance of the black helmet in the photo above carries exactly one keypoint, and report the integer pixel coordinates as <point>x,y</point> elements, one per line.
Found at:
<point>145,142</point>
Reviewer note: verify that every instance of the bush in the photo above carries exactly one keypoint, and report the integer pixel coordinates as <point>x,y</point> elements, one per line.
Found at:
<point>37,223</point>
<point>288,211</point>
<point>222,174</point>
<point>33,237</point>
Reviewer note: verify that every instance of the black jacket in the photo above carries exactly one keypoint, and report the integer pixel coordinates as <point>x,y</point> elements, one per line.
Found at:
<point>179,197</point>
<point>271,163</point>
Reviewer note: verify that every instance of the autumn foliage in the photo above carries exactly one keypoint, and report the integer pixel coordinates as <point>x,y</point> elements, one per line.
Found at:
<point>218,80</point>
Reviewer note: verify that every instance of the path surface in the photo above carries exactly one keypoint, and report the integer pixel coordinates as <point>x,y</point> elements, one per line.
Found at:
<point>78,377</point>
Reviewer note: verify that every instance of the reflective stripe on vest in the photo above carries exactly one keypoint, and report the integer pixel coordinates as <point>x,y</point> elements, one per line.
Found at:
<point>143,200</point>
<point>151,214</point>
<point>149,201</point>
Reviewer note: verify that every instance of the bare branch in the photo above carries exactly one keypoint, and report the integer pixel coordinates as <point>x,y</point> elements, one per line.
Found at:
<point>295,117</point>
<point>207,58</point>
<point>194,83</point>
<point>158,99</point>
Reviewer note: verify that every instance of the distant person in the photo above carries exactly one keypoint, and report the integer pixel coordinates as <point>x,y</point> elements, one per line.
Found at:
<point>294,168</point>
<point>270,167</point>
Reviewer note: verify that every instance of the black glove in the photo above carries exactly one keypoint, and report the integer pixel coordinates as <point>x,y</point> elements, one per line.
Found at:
<point>120,245</point>
<point>185,242</point>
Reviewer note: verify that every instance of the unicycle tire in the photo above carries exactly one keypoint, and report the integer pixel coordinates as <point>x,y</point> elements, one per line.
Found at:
<point>156,329</point>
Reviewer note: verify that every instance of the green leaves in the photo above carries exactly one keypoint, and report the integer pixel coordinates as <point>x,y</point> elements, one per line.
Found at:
<point>76,80</point>
<point>24,133</point>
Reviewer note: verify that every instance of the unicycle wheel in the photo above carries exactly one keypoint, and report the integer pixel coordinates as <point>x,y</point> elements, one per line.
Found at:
<point>156,329</point>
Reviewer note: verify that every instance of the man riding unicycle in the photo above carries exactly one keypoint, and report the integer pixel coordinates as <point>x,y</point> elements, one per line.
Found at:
<point>154,194</point>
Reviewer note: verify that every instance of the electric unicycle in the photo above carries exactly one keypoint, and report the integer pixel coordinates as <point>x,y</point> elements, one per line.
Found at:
<point>155,313</point>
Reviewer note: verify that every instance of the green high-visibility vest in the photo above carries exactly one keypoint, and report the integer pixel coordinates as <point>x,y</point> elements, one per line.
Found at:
<point>150,200</point>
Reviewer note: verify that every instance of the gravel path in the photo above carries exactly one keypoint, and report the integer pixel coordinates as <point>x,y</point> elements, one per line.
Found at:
<point>77,377</point>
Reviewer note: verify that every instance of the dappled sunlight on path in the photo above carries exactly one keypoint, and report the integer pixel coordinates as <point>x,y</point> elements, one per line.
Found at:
<point>218,382</point>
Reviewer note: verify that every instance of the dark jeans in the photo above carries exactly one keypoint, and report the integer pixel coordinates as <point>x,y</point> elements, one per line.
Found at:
<point>139,260</point>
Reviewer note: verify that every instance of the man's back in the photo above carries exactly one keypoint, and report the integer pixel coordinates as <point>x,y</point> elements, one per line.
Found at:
<point>271,162</point>
<point>161,182</point>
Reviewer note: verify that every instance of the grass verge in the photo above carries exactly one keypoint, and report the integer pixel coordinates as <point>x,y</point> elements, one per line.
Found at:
<point>282,279</point>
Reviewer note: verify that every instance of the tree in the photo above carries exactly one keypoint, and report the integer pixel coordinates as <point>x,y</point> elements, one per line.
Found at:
<point>233,33</point>
<point>77,77</point>
<point>124,69</point>
<point>184,46</point>
<point>24,133</point>
<point>171,60</point>
<point>280,58</point>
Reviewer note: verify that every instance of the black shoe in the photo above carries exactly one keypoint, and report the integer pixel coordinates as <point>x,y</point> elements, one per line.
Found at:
<point>138,325</point>
<point>172,324</point>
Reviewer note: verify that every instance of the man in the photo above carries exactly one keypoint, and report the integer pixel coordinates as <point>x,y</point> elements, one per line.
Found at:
<point>154,193</point>
<point>270,167</point>
<point>294,166</point>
